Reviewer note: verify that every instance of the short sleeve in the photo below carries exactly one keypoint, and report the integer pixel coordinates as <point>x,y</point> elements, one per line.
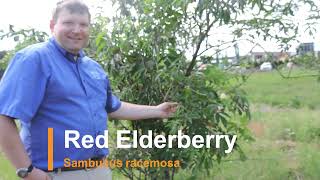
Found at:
<point>113,102</point>
<point>22,86</point>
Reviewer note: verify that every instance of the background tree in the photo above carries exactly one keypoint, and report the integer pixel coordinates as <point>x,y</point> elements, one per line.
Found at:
<point>23,37</point>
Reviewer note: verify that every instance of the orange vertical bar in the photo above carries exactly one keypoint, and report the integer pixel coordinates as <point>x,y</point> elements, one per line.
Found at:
<point>50,149</point>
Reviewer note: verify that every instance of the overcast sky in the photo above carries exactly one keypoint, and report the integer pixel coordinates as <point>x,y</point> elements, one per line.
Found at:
<point>24,14</point>
<point>37,13</point>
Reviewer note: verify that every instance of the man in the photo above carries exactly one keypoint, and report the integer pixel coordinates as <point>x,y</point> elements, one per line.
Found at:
<point>54,85</point>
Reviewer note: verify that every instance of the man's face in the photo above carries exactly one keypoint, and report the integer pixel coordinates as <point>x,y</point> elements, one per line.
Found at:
<point>71,30</point>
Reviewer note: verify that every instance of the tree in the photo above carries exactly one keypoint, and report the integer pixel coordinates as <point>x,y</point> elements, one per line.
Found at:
<point>146,56</point>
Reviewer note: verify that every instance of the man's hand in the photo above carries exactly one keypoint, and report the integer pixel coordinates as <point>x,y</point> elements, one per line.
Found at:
<point>13,149</point>
<point>38,174</point>
<point>167,109</point>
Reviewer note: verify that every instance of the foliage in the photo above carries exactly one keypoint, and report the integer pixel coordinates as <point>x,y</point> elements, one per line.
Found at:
<point>146,56</point>
<point>23,37</point>
<point>308,61</point>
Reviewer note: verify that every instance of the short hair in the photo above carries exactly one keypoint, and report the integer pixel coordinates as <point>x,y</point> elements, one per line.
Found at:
<point>73,6</point>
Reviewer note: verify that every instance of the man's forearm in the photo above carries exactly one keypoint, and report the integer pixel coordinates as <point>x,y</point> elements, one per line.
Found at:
<point>135,112</point>
<point>11,145</point>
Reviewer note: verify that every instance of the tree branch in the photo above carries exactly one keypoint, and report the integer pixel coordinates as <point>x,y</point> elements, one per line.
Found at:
<point>202,36</point>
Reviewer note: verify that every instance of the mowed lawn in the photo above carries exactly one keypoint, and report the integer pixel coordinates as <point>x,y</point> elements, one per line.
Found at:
<point>286,127</point>
<point>270,88</point>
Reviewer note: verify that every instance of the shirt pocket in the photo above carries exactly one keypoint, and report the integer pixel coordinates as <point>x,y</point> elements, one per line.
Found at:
<point>98,88</point>
<point>96,85</point>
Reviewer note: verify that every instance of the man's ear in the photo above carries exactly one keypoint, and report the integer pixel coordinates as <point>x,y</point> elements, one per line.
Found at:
<point>52,23</point>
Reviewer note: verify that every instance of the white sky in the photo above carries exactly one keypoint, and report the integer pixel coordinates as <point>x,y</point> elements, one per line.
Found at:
<point>37,13</point>
<point>24,14</point>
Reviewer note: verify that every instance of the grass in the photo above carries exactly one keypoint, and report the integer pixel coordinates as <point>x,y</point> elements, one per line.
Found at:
<point>270,88</point>
<point>288,123</point>
<point>286,126</point>
<point>6,170</point>
<point>277,153</point>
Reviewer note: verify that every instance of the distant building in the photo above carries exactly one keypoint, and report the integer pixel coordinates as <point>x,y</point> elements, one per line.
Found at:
<point>269,56</point>
<point>258,56</point>
<point>305,48</point>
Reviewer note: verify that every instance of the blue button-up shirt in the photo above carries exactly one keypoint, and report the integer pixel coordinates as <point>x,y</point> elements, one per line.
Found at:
<point>46,87</point>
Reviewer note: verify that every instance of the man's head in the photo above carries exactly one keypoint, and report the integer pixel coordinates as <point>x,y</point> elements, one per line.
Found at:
<point>70,25</point>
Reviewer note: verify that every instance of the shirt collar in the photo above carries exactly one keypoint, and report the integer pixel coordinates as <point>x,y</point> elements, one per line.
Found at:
<point>65,53</point>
